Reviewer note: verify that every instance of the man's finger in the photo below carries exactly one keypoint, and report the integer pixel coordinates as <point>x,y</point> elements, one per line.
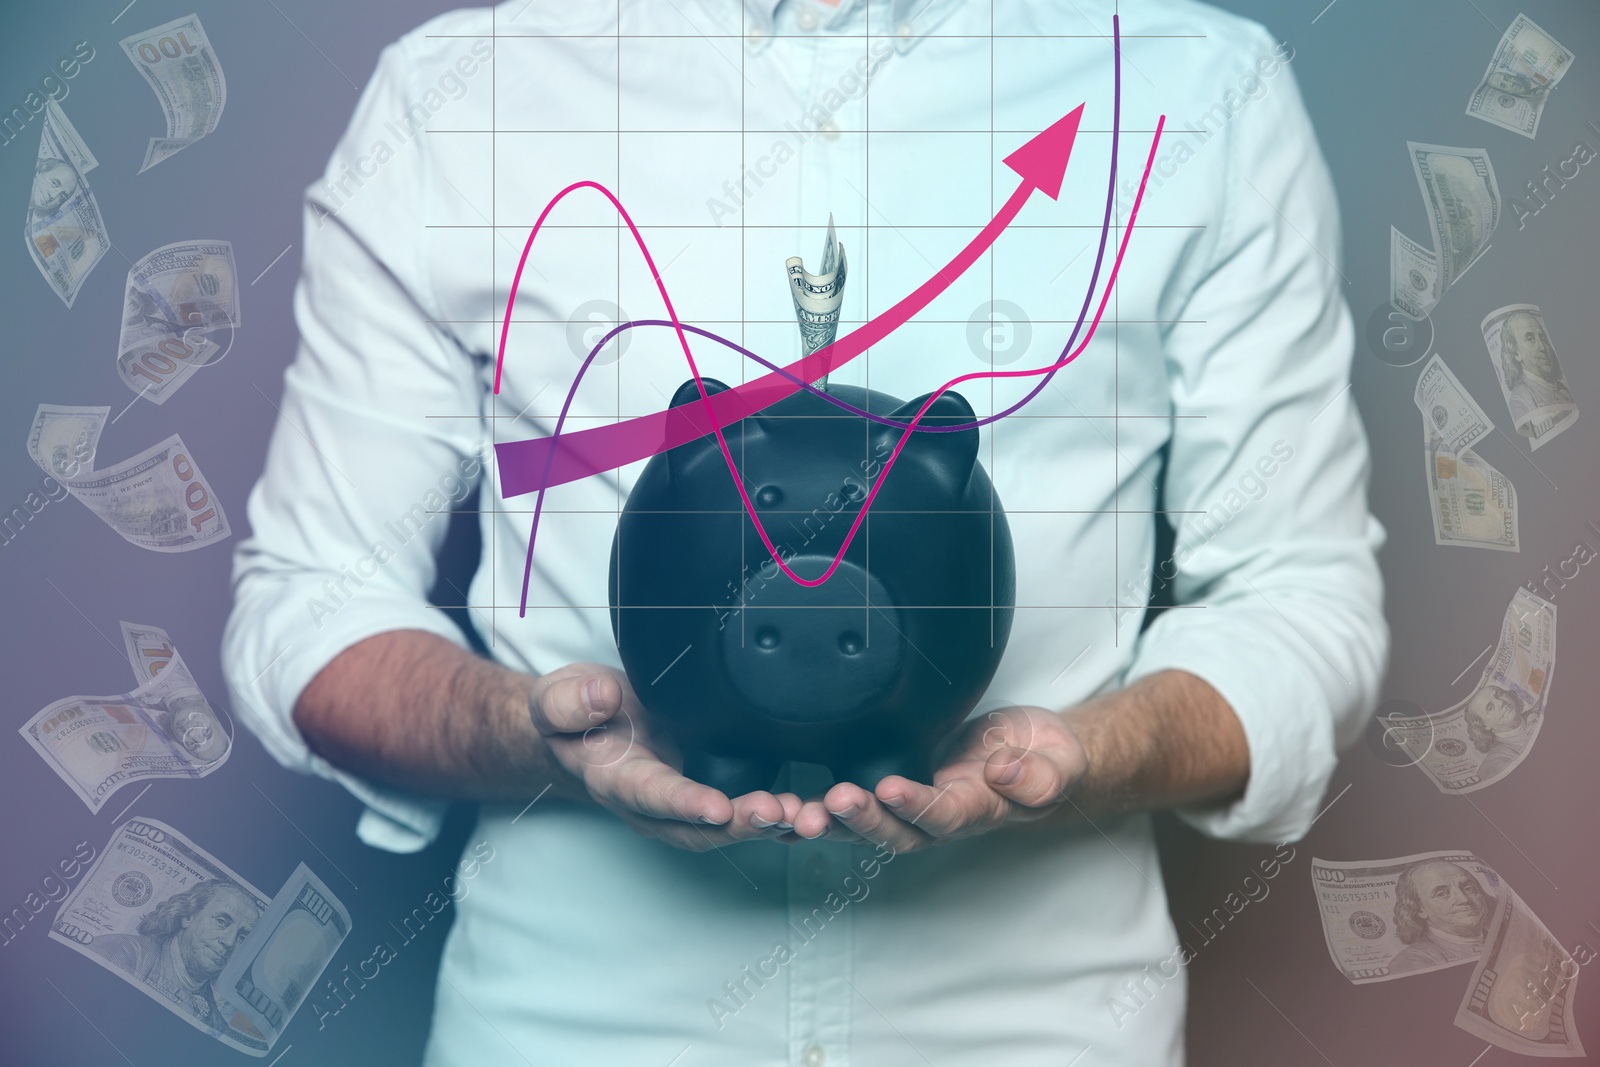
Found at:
<point>645,785</point>
<point>954,806</point>
<point>869,818</point>
<point>1028,778</point>
<point>572,705</point>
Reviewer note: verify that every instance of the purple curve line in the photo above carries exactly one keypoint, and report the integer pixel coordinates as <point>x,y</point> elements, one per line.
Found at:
<point>1048,370</point>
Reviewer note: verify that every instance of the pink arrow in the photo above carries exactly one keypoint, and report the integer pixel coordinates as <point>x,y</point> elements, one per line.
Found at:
<point>538,463</point>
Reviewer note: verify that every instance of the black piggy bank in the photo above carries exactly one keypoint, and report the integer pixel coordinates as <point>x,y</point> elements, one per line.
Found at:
<point>864,674</point>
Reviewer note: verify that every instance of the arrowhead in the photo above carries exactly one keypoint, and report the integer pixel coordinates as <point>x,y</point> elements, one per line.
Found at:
<point>1042,162</point>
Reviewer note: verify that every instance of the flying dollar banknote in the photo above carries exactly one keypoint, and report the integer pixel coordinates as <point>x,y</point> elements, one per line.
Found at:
<point>818,297</point>
<point>157,499</point>
<point>163,728</point>
<point>1531,380</point>
<point>178,924</point>
<point>1445,403</point>
<point>1474,505</point>
<point>1478,741</point>
<point>64,232</point>
<point>288,950</point>
<point>181,67</point>
<point>164,915</point>
<point>1527,63</point>
<point>1413,276</point>
<point>149,650</point>
<point>1523,988</point>
<point>1463,203</point>
<point>1384,919</point>
<point>176,296</point>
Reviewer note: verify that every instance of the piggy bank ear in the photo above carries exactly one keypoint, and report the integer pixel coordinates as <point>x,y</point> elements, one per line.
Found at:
<point>952,453</point>
<point>688,398</point>
<point>688,392</point>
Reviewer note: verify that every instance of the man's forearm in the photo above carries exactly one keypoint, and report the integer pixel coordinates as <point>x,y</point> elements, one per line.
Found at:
<point>414,710</point>
<point>1167,740</point>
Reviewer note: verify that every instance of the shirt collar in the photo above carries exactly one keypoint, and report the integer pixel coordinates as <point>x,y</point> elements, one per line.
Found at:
<point>909,22</point>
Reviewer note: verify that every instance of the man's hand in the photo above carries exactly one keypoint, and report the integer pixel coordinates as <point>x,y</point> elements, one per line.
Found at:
<point>1167,740</point>
<point>599,735</point>
<point>1013,765</point>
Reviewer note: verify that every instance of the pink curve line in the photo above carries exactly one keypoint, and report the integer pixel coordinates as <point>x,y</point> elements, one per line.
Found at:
<point>1041,163</point>
<point>722,444</point>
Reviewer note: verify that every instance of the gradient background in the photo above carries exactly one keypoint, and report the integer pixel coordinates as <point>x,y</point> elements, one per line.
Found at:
<point>1374,75</point>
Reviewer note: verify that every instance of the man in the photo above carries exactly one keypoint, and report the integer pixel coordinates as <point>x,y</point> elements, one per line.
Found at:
<point>1442,913</point>
<point>1230,347</point>
<point>183,943</point>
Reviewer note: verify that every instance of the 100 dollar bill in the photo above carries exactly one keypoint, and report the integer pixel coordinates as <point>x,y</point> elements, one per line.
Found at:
<point>157,499</point>
<point>178,924</point>
<point>1480,740</point>
<point>1377,927</point>
<point>65,234</point>
<point>175,295</point>
<point>289,948</point>
<point>1473,504</point>
<point>178,62</point>
<point>155,902</point>
<point>1522,991</point>
<point>1527,63</point>
<point>164,728</point>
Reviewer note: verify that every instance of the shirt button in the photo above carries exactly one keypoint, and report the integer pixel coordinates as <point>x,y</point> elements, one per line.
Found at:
<point>755,35</point>
<point>905,30</point>
<point>806,18</point>
<point>829,130</point>
<point>813,1056</point>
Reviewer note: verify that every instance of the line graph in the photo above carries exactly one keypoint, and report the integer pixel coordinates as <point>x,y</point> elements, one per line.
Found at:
<point>1041,163</point>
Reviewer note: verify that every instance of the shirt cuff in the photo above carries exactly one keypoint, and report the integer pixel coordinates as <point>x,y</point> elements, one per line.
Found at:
<point>265,697</point>
<point>1287,725</point>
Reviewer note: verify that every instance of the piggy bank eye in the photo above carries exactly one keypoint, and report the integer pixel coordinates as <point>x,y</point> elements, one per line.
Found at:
<point>769,496</point>
<point>850,643</point>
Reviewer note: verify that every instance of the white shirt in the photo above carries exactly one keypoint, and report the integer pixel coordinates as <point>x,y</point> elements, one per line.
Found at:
<point>1227,339</point>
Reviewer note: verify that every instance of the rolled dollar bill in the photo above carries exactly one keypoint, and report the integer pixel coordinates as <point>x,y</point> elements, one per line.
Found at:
<point>1474,505</point>
<point>290,946</point>
<point>1527,63</point>
<point>64,232</point>
<point>158,499</point>
<point>175,296</point>
<point>1384,919</point>
<point>1522,990</point>
<point>1478,741</point>
<point>181,67</point>
<point>1541,404</point>
<point>818,297</point>
<point>1447,406</point>
<point>166,917</point>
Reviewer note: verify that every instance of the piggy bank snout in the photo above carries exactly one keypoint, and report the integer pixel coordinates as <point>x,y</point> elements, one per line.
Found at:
<point>810,653</point>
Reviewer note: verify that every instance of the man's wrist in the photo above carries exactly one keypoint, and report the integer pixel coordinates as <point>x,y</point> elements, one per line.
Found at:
<point>1166,740</point>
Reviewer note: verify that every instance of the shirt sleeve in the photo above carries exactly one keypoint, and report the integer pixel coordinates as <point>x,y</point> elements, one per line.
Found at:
<point>1274,570</point>
<point>361,469</point>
